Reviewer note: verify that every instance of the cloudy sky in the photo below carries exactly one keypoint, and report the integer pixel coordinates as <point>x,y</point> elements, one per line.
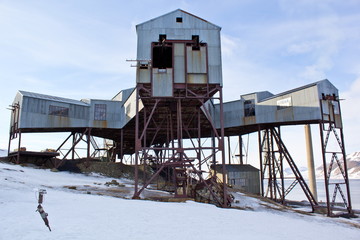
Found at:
<point>78,49</point>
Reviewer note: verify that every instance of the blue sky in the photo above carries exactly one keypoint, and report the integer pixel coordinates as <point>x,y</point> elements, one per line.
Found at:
<point>78,49</point>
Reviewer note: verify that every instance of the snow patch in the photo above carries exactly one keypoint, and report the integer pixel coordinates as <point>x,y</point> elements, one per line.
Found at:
<point>78,215</point>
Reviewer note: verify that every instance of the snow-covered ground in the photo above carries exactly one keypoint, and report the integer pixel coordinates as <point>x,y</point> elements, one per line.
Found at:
<point>76,215</point>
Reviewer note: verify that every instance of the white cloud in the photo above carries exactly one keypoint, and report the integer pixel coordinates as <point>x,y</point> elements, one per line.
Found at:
<point>232,46</point>
<point>351,116</point>
<point>302,47</point>
<point>56,42</point>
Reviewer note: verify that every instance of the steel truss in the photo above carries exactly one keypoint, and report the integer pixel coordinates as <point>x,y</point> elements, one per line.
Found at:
<point>76,138</point>
<point>160,130</point>
<point>273,156</point>
<point>334,155</point>
<point>15,132</point>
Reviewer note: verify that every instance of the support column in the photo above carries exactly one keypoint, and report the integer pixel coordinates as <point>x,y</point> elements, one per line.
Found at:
<point>229,150</point>
<point>19,146</point>
<point>221,148</point>
<point>137,146</point>
<point>261,162</point>
<point>310,161</point>
<point>241,150</point>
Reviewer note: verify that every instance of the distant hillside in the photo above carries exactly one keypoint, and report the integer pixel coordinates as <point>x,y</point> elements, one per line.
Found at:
<point>353,164</point>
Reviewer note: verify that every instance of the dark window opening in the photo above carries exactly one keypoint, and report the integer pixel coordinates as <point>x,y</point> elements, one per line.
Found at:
<point>58,111</point>
<point>143,65</point>
<point>100,112</point>
<point>196,44</point>
<point>249,108</point>
<point>162,57</point>
<point>162,38</point>
<point>179,19</point>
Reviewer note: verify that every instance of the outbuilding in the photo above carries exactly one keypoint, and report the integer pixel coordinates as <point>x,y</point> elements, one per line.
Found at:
<point>241,176</point>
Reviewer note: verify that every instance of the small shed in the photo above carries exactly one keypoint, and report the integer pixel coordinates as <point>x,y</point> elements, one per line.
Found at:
<point>241,176</point>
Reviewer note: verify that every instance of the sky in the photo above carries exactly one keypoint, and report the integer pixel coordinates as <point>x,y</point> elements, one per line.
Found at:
<point>78,49</point>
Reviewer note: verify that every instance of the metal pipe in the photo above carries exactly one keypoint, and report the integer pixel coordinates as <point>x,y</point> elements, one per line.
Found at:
<point>310,161</point>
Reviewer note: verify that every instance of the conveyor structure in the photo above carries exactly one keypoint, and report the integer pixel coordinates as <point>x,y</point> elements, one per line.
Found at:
<point>178,97</point>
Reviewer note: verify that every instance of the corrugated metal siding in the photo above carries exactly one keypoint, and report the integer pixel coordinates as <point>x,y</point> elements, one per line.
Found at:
<point>162,83</point>
<point>179,63</point>
<point>35,113</point>
<point>304,106</point>
<point>196,60</point>
<point>149,31</point>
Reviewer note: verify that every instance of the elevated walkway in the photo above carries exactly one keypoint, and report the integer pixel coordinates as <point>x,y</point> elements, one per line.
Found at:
<point>115,119</point>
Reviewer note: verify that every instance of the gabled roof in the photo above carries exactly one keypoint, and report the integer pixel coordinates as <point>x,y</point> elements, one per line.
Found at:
<point>180,13</point>
<point>52,98</point>
<point>324,81</point>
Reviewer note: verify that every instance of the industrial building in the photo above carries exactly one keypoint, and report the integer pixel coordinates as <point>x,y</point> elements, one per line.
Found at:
<point>178,98</point>
<point>243,177</point>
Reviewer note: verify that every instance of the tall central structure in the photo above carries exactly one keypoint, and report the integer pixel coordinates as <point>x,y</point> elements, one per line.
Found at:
<point>179,74</point>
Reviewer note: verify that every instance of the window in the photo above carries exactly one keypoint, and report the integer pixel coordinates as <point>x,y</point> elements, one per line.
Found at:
<point>100,112</point>
<point>162,38</point>
<point>179,19</point>
<point>196,43</point>
<point>58,111</point>
<point>162,56</point>
<point>249,108</point>
<point>284,103</point>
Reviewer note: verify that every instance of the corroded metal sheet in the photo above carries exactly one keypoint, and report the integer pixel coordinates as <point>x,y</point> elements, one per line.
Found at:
<point>162,82</point>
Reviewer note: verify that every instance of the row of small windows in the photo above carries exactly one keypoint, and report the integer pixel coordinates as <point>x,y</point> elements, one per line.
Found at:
<point>99,113</point>
<point>58,111</point>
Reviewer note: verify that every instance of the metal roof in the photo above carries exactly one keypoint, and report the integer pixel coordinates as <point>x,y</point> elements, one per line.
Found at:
<point>236,168</point>
<point>298,89</point>
<point>52,98</point>
<point>179,10</point>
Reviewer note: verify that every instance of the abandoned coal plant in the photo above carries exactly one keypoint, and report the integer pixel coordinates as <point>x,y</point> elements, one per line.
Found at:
<point>174,123</point>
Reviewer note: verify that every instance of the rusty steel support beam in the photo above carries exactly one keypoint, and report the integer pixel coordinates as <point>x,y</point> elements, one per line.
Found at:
<point>241,160</point>
<point>299,178</point>
<point>221,148</point>
<point>275,151</point>
<point>260,143</point>
<point>19,148</point>
<point>72,147</point>
<point>160,129</point>
<point>331,127</point>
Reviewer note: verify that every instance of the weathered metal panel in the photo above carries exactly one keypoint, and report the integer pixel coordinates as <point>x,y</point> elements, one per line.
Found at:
<point>105,114</point>
<point>196,60</point>
<point>208,33</point>
<point>179,63</point>
<point>143,75</point>
<point>129,109</point>
<point>301,104</point>
<point>196,78</point>
<point>162,82</point>
<point>233,112</point>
